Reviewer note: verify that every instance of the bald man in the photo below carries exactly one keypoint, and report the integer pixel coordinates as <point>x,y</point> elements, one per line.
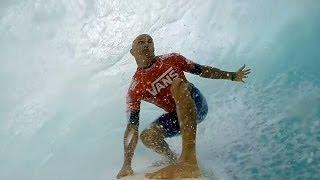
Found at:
<point>160,80</point>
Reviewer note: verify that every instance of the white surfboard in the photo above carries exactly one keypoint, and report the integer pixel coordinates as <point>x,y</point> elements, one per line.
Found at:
<point>140,175</point>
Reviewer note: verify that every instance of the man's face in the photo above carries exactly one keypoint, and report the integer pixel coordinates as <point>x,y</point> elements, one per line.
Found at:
<point>143,48</point>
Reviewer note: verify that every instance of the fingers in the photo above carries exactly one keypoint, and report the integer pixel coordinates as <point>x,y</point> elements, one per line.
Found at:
<point>246,71</point>
<point>241,78</point>
<point>124,173</point>
<point>243,73</point>
<point>242,68</point>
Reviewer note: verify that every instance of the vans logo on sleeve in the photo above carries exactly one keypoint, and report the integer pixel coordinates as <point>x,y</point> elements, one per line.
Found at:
<point>163,81</point>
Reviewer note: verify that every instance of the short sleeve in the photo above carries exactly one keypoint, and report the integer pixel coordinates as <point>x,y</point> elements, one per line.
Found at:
<point>181,62</point>
<point>133,96</point>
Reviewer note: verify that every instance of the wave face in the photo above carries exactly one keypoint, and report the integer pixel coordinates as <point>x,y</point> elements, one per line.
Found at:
<point>65,68</point>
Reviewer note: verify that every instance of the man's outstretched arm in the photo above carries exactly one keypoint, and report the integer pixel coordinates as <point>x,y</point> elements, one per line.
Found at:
<point>215,73</point>
<point>130,141</point>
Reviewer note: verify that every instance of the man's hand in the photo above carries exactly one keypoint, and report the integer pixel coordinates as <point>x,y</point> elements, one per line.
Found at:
<point>242,73</point>
<point>129,142</point>
<point>125,171</point>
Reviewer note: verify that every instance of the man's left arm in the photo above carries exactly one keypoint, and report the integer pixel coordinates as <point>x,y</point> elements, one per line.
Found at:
<point>215,73</point>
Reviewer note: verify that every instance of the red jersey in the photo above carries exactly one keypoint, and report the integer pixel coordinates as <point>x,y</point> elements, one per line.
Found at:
<point>153,84</point>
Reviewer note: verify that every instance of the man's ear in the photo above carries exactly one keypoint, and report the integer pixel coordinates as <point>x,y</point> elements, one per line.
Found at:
<point>131,51</point>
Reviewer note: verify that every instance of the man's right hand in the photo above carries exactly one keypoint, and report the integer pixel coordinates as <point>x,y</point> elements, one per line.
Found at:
<point>125,171</point>
<point>130,141</point>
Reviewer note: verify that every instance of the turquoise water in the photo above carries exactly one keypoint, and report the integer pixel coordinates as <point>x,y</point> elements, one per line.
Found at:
<point>65,68</point>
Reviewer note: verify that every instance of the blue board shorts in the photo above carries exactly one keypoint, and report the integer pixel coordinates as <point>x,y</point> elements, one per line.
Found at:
<point>170,122</point>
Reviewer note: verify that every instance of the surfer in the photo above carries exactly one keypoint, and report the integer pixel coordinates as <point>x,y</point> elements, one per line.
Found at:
<point>160,80</point>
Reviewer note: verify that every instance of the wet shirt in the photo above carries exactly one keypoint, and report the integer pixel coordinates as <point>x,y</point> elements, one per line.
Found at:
<point>153,84</point>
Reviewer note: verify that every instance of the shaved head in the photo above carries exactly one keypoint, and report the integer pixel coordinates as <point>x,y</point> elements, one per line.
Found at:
<point>143,50</point>
<point>140,37</point>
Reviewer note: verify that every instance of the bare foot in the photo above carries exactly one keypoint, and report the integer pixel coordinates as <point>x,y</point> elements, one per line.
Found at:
<point>177,170</point>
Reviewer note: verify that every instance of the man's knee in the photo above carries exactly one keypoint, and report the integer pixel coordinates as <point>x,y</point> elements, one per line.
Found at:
<point>179,88</point>
<point>175,84</point>
<point>145,136</point>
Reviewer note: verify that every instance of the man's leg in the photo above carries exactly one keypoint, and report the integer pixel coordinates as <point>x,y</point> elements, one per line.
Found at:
<point>153,138</point>
<point>187,165</point>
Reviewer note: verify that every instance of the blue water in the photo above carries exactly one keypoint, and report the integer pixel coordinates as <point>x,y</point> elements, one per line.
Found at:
<point>65,68</point>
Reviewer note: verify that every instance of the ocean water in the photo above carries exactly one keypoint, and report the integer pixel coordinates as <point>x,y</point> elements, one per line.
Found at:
<point>65,68</point>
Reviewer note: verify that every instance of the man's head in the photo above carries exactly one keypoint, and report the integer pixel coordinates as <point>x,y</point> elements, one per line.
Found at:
<point>143,50</point>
